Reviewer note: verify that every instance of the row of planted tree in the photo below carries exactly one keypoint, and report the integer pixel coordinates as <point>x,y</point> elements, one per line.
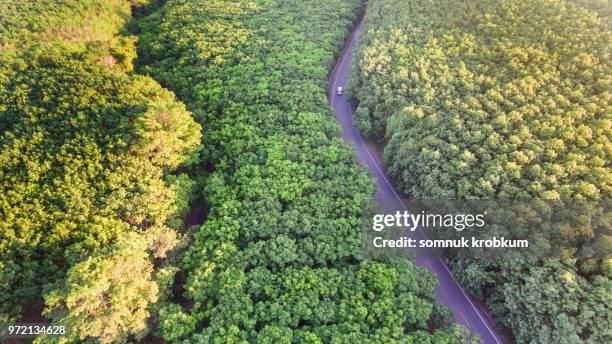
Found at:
<point>509,100</point>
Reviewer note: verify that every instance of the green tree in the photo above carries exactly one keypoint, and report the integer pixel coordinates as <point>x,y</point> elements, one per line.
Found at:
<point>107,296</point>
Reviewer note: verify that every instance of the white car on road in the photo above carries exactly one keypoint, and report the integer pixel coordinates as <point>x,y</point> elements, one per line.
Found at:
<point>339,90</point>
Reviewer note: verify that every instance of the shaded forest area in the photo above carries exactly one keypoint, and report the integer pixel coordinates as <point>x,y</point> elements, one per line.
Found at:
<point>511,100</point>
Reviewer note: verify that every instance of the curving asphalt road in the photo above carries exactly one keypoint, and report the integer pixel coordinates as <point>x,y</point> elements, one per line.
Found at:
<point>448,292</point>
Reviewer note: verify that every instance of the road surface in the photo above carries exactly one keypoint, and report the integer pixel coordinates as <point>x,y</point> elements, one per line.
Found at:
<point>449,292</point>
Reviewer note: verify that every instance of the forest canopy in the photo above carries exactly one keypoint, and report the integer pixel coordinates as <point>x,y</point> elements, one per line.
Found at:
<point>506,99</point>
<point>88,152</point>
<point>279,258</point>
<point>509,100</point>
<point>98,165</point>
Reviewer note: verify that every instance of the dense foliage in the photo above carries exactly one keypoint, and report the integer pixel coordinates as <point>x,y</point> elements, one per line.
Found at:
<point>505,99</point>
<point>86,152</point>
<point>46,22</point>
<point>279,258</point>
<point>108,295</point>
<point>483,101</point>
